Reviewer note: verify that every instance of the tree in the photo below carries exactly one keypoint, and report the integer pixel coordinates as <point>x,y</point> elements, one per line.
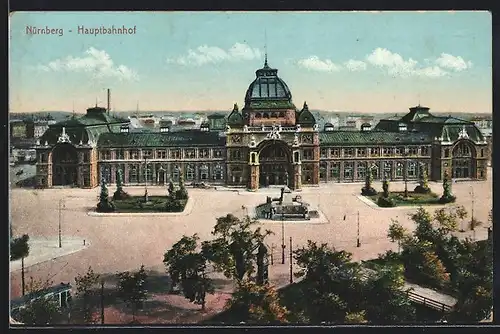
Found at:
<point>182,193</point>
<point>256,303</point>
<point>461,213</point>
<point>385,188</point>
<point>188,268</point>
<point>104,204</point>
<point>368,190</point>
<point>432,268</point>
<point>355,317</point>
<point>19,247</point>
<point>447,220</point>
<point>39,310</point>
<point>85,290</point>
<point>397,232</point>
<point>233,251</point>
<point>132,288</point>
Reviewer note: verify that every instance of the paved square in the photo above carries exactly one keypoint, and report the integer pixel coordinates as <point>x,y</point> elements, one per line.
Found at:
<point>125,242</point>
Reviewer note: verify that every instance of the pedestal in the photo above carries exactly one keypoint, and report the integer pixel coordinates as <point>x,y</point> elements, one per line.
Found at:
<point>254,177</point>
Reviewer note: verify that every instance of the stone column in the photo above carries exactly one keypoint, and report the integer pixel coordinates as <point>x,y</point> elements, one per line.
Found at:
<point>254,177</point>
<point>315,176</point>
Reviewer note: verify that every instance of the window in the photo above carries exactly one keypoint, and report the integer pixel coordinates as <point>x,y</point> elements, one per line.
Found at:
<point>235,155</point>
<point>133,154</point>
<point>119,155</point>
<point>361,170</point>
<point>375,151</point>
<point>335,152</point>
<point>413,150</point>
<point>132,174</point>
<point>335,170</point>
<point>190,153</point>
<point>322,171</point>
<point>105,174</point>
<point>447,153</point>
<point>348,152</point>
<point>161,154</point>
<point>217,153</point>
<point>190,173</point>
<point>43,157</point>
<point>412,169</point>
<point>308,154</point>
<point>175,154</point>
<point>324,153</point>
<point>482,153</point>
<point>218,172</point>
<point>399,150</point>
<point>374,168</point>
<point>148,173</point>
<point>86,176</point>
<point>105,155</point>
<point>348,170</point>
<point>204,172</point>
<point>387,151</point>
<point>361,152</point>
<point>148,154</point>
<point>424,150</point>
<point>387,169</point>
<point>399,169</point>
<point>203,153</point>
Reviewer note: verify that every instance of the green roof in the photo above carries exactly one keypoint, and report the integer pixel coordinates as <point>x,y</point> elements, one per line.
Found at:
<point>76,134</point>
<point>372,137</point>
<point>166,139</point>
<point>305,117</point>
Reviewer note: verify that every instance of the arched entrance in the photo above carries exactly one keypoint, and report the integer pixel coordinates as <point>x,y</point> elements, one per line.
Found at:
<point>64,165</point>
<point>462,160</point>
<point>275,164</point>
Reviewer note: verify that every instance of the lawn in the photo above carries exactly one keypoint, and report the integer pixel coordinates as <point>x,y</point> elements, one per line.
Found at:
<point>154,204</point>
<point>413,199</point>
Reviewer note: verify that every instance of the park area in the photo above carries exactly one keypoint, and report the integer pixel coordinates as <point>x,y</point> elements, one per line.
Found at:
<point>121,243</point>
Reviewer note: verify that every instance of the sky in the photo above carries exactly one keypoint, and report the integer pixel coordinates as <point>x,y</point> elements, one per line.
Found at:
<point>197,61</point>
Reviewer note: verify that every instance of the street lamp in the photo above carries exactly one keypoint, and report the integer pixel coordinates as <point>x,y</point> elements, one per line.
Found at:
<point>358,243</point>
<point>145,180</point>
<point>283,246</point>
<point>472,208</point>
<point>405,171</point>
<point>61,206</point>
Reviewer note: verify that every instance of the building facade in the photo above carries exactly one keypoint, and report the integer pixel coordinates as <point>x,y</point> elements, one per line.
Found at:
<point>268,142</point>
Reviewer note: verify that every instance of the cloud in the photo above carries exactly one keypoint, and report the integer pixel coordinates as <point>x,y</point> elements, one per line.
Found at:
<point>355,65</point>
<point>315,64</point>
<point>212,55</point>
<point>98,63</point>
<point>453,63</point>
<point>430,72</point>
<point>394,63</point>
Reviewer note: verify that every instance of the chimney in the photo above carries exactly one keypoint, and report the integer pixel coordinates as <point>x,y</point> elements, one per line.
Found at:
<point>109,100</point>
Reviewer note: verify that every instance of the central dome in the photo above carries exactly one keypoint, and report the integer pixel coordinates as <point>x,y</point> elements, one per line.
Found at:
<point>267,86</point>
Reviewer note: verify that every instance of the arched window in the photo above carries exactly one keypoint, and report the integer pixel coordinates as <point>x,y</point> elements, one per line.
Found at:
<point>462,150</point>
<point>204,172</point>
<point>132,174</point>
<point>175,173</point>
<point>218,172</point>
<point>190,173</point>
<point>360,170</point>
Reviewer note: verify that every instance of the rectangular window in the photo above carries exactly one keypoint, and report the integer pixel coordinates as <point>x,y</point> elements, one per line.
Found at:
<point>148,173</point>
<point>482,152</point>
<point>348,152</point>
<point>335,152</point>
<point>133,154</point>
<point>424,151</point>
<point>236,155</point>
<point>43,158</point>
<point>175,154</point>
<point>387,170</point>
<point>348,170</point>
<point>204,153</point>
<point>399,150</point>
<point>387,151</point>
<point>105,155</point>
<point>190,154</point>
<point>133,174</point>
<point>335,170</point>
<point>413,151</point>
<point>161,154</point>
<point>361,152</point>
<point>308,154</point>
<point>218,154</point>
<point>119,155</point>
<point>412,169</point>
<point>399,169</point>
<point>190,173</point>
<point>324,153</point>
<point>375,151</point>
<point>361,171</point>
<point>148,154</point>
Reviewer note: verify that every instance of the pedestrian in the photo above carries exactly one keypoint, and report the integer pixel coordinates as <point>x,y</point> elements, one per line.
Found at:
<point>84,242</point>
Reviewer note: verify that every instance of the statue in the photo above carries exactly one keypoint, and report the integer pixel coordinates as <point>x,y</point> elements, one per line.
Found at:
<point>245,128</point>
<point>104,204</point>
<point>368,190</point>
<point>296,140</point>
<point>119,193</point>
<point>447,195</point>
<point>385,201</point>
<point>423,186</point>
<point>385,188</point>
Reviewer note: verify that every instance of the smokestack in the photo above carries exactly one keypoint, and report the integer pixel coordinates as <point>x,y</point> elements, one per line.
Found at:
<point>109,100</point>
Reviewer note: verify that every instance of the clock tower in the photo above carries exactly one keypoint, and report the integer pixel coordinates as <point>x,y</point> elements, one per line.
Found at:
<point>270,142</point>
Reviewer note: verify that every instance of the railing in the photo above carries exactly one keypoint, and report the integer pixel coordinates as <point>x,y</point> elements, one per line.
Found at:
<point>416,298</point>
<point>270,128</point>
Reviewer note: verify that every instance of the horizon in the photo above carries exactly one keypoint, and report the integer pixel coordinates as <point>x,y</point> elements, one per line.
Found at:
<point>204,62</point>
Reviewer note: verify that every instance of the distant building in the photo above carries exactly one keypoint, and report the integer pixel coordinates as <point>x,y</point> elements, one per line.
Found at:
<point>268,142</point>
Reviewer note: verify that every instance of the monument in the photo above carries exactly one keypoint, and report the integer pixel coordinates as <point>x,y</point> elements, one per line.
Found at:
<point>285,207</point>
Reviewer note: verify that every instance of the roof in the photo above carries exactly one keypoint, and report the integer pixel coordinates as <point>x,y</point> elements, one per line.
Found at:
<point>167,139</point>
<point>29,297</point>
<point>267,104</point>
<point>305,117</point>
<point>372,137</point>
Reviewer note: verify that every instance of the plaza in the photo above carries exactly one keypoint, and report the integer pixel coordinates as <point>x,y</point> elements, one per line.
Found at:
<point>120,243</point>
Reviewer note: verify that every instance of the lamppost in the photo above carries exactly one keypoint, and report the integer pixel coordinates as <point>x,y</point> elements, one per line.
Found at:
<point>472,208</point>
<point>145,180</point>
<point>358,243</point>
<point>405,171</point>
<point>283,246</point>
<point>61,206</point>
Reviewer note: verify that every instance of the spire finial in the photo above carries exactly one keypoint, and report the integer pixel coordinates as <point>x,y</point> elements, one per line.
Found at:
<point>96,102</point>
<point>265,48</point>
<point>419,100</point>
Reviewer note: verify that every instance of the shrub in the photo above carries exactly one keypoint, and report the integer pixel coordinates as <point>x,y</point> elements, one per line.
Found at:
<point>385,202</point>
<point>447,199</point>
<point>368,191</point>
<point>421,190</point>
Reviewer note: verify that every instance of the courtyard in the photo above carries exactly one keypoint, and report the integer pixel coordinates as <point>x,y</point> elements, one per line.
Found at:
<point>124,242</point>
